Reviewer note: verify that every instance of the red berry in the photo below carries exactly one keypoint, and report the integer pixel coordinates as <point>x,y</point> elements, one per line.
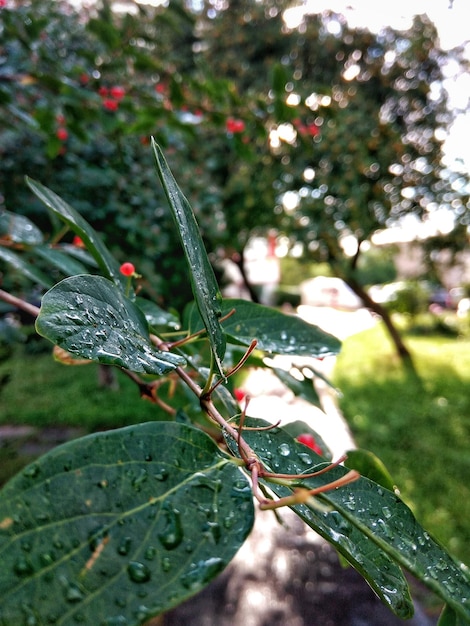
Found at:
<point>110,105</point>
<point>127,269</point>
<point>309,440</point>
<point>239,394</point>
<point>103,91</point>
<point>62,134</point>
<point>234,125</point>
<point>78,242</point>
<point>117,92</point>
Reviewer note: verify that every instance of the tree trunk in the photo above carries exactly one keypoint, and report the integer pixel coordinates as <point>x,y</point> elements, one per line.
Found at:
<point>402,350</point>
<point>239,259</point>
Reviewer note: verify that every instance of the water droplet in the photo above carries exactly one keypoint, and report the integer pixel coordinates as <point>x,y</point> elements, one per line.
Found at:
<point>161,474</point>
<point>23,567</point>
<point>283,449</point>
<point>305,458</point>
<point>166,564</point>
<point>125,546</point>
<point>119,620</point>
<point>73,593</point>
<point>140,479</point>
<point>172,534</point>
<point>387,513</point>
<point>201,573</point>
<point>138,572</point>
<point>31,471</point>
<point>212,530</point>
<point>150,553</point>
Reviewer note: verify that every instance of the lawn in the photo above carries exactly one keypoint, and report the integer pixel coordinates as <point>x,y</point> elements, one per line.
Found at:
<point>421,433</point>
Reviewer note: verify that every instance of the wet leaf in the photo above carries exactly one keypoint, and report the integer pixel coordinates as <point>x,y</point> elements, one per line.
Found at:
<point>23,266</point>
<point>119,526</point>
<point>157,318</point>
<point>62,261</point>
<point>19,229</point>
<point>90,317</point>
<point>94,243</point>
<point>276,332</point>
<point>369,525</point>
<point>204,285</point>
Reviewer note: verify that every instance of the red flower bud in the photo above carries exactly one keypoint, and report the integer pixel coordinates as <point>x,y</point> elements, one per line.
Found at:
<point>127,269</point>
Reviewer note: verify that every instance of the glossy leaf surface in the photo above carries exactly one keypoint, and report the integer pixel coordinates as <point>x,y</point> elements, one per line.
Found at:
<point>205,289</point>
<point>59,259</point>
<point>19,229</point>
<point>90,317</point>
<point>119,526</point>
<point>80,226</point>
<point>276,332</point>
<point>20,264</point>
<point>369,525</point>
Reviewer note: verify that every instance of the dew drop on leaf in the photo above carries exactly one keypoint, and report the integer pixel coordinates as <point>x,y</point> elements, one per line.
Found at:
<point>284,449</point>
<point>125,546</point>
<point>201,573</point>
<point>23,567</point>
<point>150,553</point>
<point>31,471</point>
<point>138,572</point>
<point>172,534</point>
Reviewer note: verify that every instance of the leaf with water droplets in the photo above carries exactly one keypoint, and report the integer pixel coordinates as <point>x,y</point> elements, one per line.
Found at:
<point>276,332</point>
<point>204,285</point>
<point>113,529</point>
<point>369,524</point>
<point>90,317</point>
<point>94,243</point>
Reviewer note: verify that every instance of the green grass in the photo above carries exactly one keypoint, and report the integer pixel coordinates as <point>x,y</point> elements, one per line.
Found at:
<point>41,392</point>
<point>421,433</point>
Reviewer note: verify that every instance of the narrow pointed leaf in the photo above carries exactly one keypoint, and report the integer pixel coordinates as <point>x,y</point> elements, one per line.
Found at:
<point>367,524</point>
<point>91,318</point>
<point>20,264</point>
<point>109,529</point>
<point>204,285</point>
<point>94,243</point>
<point>56,258</point>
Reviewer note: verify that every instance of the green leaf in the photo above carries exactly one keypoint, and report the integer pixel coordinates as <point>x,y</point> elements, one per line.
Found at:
<point>279,452</point>
<point>112,529</point>
<point>301,388</point>
<point>94,243</point>
<point>55,257</point>
<point>19,229</point>
<point>204,285</point>
<point>24,267</point>
<point>275,331</point>
<point>449,617</point>
<point>369,525</point>
<point>157,318</point>
<point>370,466</point>
<point>90,317</point>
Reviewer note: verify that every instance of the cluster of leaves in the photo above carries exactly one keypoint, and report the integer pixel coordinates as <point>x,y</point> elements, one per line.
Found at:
<point>342,118</point>
<point>126,524</point>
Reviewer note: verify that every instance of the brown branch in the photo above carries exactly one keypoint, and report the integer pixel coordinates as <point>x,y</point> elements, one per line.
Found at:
<point>19,303</point>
